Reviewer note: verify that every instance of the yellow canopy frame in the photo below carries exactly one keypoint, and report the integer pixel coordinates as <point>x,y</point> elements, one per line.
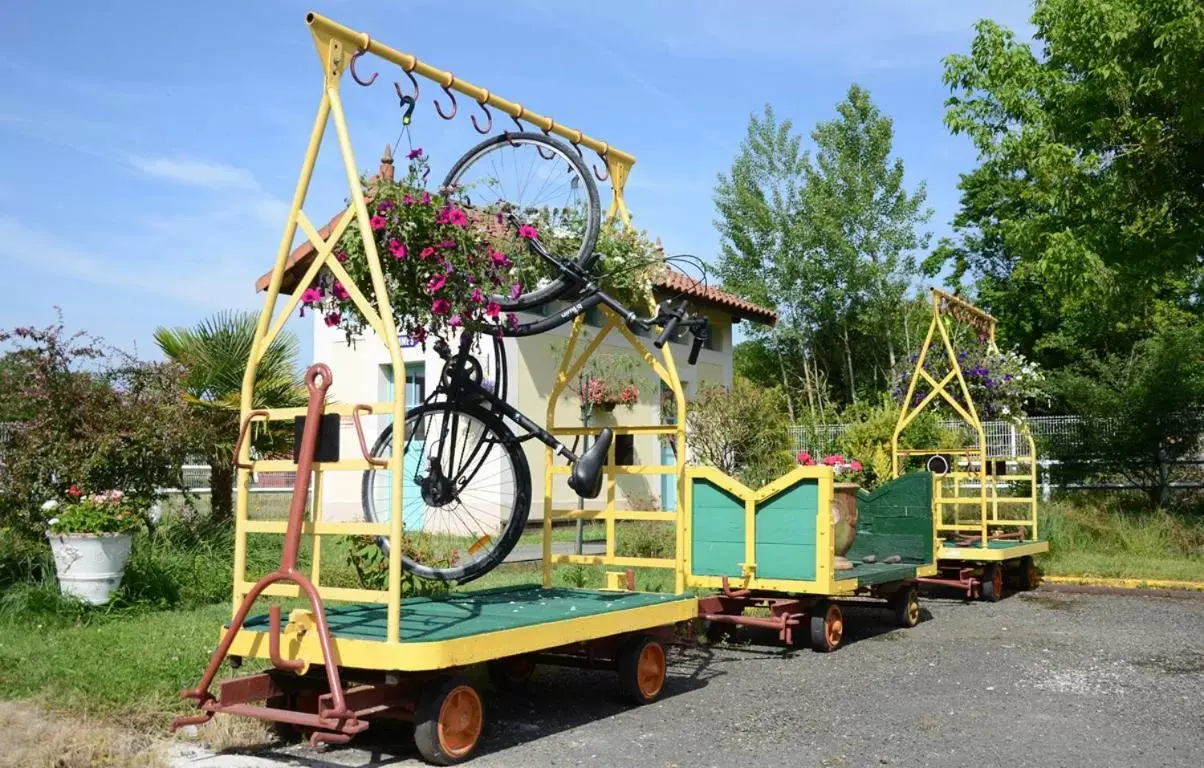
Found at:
<point>335,46</point>
<point>954,496</point>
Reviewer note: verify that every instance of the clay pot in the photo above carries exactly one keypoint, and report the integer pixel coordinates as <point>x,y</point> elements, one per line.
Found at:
<point>844,521</point>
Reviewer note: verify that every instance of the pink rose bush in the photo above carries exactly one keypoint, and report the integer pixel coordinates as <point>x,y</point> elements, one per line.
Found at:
<point>846,470</point>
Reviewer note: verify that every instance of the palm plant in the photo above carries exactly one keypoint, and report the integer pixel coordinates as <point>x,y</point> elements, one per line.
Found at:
<point>214,354</point>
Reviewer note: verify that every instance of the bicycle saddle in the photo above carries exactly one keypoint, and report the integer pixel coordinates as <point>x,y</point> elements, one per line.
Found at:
<point>586,477</point>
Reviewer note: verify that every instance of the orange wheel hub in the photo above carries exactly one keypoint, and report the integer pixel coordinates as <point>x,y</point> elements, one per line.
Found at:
<point>650,671</point>
<point>833,626</point>
<point>913,611</point>
<point>461,720</point>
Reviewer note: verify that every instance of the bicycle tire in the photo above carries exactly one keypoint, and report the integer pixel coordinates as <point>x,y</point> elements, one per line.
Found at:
<point>585,254</point>
<point>520,511</point>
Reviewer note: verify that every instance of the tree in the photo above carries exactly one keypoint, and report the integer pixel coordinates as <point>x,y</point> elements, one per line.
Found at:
<point>827,242</point>
<point>862,225</point>
<point>1083,225</point>
<point>214,354</point>
<point>1144,411</point>
<point>89,416</point>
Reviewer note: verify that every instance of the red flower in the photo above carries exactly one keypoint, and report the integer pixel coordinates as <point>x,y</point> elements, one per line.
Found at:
<point>856,465</point>
<point>427,252</point>
<point>339,291</point>
<point>492,309</point>
<point>74,492</point>
<point>805,459</point>
<point>441,306</point>
<point>377,222</point>
<point>333,319</point>
<point>528,232</point>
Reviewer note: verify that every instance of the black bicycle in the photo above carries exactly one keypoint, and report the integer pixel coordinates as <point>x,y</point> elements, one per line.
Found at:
<point>467,481</point>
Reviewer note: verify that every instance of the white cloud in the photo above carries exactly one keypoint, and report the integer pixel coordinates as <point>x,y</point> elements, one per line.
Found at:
<point>198,173</point>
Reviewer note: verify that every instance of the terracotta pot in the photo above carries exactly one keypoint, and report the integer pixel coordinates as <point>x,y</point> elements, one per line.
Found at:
<point>844,517</point>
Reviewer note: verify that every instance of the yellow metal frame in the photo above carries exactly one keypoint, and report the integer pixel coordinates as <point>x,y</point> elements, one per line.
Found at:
<point>1019,511</point>
<point>335,45</point>
<point>666,371</point>
<point>343,42</point>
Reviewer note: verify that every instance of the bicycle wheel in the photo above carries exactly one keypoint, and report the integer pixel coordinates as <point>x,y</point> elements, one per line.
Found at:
<point>466,491</point>
<point>543,182</point>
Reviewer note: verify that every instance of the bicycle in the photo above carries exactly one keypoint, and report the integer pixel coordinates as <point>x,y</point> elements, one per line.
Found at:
<point>469,414</point>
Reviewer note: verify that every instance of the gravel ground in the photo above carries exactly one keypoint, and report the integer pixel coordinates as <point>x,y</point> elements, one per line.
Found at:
<point>1041,679</point>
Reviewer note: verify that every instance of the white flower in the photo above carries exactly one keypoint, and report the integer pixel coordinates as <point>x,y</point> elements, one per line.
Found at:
<point>50,506</point>
<point>52,521</point>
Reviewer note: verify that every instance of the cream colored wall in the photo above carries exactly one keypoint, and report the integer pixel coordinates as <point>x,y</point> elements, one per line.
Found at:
<point>532,364</point>
<point>535,376</point>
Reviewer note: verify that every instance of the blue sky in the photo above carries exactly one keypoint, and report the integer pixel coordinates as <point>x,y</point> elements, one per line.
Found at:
<point>148,150</point>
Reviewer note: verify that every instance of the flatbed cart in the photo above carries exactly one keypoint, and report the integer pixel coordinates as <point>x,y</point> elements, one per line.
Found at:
<point>777,544</point>
<point>984,493</point>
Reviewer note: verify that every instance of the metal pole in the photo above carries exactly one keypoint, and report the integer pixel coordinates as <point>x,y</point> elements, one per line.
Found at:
<point>586,412</point>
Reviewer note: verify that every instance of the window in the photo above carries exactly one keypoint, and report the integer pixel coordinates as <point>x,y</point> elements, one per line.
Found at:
<point>624,450</point>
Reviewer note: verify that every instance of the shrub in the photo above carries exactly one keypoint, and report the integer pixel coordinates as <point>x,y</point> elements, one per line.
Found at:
<point>742,431</point>
<point>371,563</point>
<point>646,539</point>
<point>92,417</point>
<point>871,427</point>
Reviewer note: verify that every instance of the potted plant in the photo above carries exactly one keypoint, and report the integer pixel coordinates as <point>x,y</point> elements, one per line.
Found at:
<point>847,474</point>
<point>90,537</point>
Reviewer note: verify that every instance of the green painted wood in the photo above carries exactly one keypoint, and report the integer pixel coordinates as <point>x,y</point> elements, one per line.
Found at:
<point>896,519</point>
<point>994,544</point>
<point>717,530</point>
<point>868,574</point>
<point>430,619</point>
<point>785,533</point>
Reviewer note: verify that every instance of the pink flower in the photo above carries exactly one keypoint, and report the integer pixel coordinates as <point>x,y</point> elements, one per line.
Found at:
<point>447,245</point>
<point>458,218</point>
<point>427,252</point>
<point>407,200</point>
<point>377,222</point>
<point>311,296</point>
<point>397,248</point>
<point>499,259</point>
<point>856,466</point>
<point>426,198</point>
<point>441,306</point>
<point>832,461</point>
<point>477,296</point>
<point>805,459</point>
<point>333,319</point>
<point>516,290</point>
<point>512,320</point>
<point>418,333</point>
<point>341,256</point>
<point>414,153</point>
<point>339,291</point>
<point>492,309</point>
<point>454,321</point>
<point>443,216</point>
<point>528,232</point>
<point>437,282</point>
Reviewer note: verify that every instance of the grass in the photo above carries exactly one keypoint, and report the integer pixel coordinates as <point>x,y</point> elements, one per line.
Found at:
<point>1113,537</point>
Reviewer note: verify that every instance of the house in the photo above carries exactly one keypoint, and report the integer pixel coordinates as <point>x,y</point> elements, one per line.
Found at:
<point>362,373</point>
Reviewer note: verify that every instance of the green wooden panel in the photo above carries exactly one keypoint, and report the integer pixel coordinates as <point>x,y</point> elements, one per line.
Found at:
<point>428,619</point>
<point>896,519</point>
<point>785,533</point>
<point>717,530</point>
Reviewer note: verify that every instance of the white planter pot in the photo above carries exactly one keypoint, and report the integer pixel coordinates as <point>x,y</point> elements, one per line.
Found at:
<point>90,566</point>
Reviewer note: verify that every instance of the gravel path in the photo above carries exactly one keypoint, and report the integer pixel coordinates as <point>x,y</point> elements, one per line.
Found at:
<point>1042,679</point>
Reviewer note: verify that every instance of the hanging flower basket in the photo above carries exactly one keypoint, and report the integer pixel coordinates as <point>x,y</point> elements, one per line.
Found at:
<point>443,259</point>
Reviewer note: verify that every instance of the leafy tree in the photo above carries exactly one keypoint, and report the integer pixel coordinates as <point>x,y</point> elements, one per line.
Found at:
<point>827,242</point>
<point>862,226</point>
<point>89,416</point>
<point>1083,226</point>
<point>1144,410</point>
<point>214,354</point>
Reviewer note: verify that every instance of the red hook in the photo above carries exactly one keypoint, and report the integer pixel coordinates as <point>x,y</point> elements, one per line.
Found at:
<point>546,132</point>
<point>413,80</point>
<point>488,126</point>
<point>354,75</point>
<point>602,176</point>
<point>447,89</point>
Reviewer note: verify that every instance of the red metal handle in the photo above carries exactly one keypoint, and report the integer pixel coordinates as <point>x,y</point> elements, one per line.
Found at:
<point>359,431</point>
<point>242,435</point>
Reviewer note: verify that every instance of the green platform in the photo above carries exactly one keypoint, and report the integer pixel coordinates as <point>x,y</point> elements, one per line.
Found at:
<point>429,619</point>
<point>868,574</point>
<point>994,544</point>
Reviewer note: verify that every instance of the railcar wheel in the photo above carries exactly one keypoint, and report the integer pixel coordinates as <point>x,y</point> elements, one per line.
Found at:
<point>449,721</point>
<point>642,669</point>
<point>827,626</point>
